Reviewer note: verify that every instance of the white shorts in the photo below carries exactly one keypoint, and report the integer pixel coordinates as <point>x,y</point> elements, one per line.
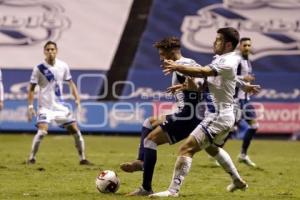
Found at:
<point>215,126</point>
<point>60,117</point>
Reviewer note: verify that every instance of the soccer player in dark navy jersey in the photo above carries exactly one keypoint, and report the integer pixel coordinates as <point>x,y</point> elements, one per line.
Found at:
<point>169,128</point>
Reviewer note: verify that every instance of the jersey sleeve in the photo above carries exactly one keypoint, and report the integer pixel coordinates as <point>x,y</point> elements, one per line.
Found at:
<point>224,65</point>
<point>34,78</point>
<point>67,75</point>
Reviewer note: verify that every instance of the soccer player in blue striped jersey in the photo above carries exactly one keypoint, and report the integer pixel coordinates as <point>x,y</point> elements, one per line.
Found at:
<point>49,76</point>
<point>248,123</point>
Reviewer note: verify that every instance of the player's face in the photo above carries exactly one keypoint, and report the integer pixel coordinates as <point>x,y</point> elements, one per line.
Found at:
<point>219,44</point>
<point>245,47</point>
<point>50,52</point>
<point>165,55</point>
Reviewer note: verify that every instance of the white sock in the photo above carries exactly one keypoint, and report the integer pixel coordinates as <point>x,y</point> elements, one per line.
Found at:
<point>36,143</point>
<point>225,161</point>
<point>79,144</point>
<point>182,167</point>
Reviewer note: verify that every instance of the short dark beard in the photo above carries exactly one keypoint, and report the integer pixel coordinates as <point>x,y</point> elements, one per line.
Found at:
<point>245,56</point>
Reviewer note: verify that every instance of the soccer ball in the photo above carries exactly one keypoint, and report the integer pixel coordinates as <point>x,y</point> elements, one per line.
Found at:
<point>107,182</point>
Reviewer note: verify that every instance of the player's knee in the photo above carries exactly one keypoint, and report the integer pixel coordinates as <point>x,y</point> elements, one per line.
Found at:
<point>150,144</point>
<point>42,132</point>
<point>187,149</point>
<point>73,129</point>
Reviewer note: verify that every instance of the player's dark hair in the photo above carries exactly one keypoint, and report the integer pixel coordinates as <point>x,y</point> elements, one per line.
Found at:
<point>245,39</point>
<point>168,43</point>
<point>50,42</point>
<point>230,35</point>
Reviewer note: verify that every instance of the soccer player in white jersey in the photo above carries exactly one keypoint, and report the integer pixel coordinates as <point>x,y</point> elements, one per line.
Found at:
<point>1,92</point>
<point>220,81</point>
<point>49,76</point>
<point>248,116</point>
<point>168,128</point>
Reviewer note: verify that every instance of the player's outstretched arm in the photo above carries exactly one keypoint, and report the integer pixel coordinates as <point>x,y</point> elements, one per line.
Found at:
<point>193,71</point>
<point>31,112</point>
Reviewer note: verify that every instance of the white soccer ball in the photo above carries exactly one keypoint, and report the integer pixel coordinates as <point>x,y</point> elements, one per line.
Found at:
<point>107,181</point>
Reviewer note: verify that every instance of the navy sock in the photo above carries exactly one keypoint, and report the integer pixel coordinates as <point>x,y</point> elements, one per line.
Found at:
<point>144,133</point>
<point>243,128</point>
<point>149,164</point>
<point>247,140</point>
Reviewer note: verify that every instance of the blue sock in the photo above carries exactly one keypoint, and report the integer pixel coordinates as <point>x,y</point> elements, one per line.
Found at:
<point>149,164</point>
<point>243,128</point>
<point>247,140</point>
<point>145,132</point>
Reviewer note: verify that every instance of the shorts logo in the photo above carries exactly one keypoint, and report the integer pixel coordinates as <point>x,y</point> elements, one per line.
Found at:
<point>28,22</point>
<point>277,33</point>
<point>42,117</point>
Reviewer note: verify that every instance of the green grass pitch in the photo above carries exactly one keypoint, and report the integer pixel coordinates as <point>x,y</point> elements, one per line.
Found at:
<point>57,174</point>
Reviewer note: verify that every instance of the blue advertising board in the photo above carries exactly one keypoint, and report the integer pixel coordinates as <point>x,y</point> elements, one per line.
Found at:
<point>273,28</point>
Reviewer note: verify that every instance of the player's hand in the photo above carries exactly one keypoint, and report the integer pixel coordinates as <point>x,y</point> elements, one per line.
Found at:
<point>169,66</point>
<point>175,88</point>
<point>189,85</point>
<point>1,105</point>
<point>249,78</point>
<point>31,112</point>
<point>252,89</point>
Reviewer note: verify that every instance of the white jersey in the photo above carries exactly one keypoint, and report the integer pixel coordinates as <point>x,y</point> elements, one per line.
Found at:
<point>218,94</point>
<point>1,88</point>
<point>244,68</point>
<point>221,88</point>
<point>178,78</point>
<point>50,81</point>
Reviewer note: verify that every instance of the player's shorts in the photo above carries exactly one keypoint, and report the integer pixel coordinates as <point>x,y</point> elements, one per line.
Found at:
<point>247,110</point>
<point>62,117</point>
<point>215,127</point>
<point>179,125</point>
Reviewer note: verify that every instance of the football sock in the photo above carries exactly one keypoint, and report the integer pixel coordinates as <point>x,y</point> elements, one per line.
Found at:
<point>36,143</point>
<point>243,127</point>
<point>150,156</point>
<point>182,167</point>
<point>247,140</point>
<point>225,161</point>
<point>79,144</point>
<point>146,129</point>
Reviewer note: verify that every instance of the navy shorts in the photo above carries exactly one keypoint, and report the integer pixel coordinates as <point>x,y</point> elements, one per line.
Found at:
<point>179,125</point>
